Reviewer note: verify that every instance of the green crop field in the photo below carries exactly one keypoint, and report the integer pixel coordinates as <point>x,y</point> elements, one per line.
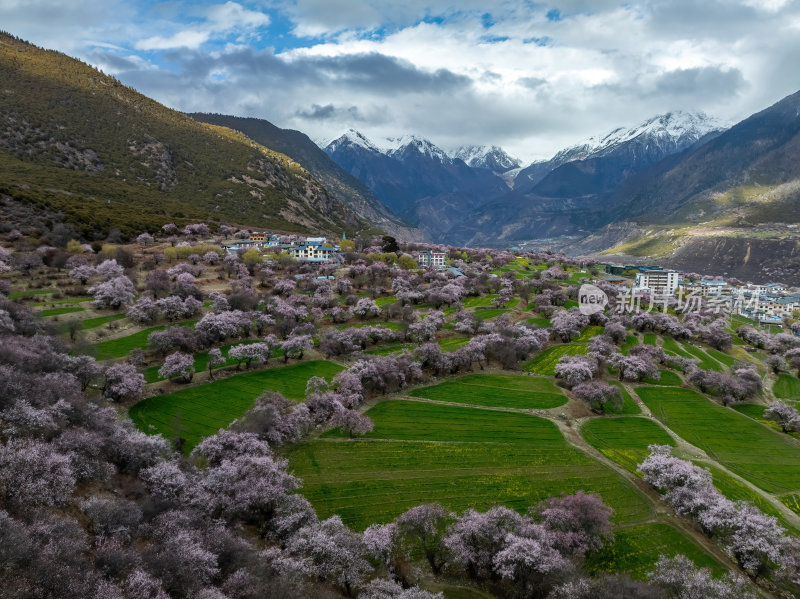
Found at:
<point>589,332</point>
<point>766,458</point>
<point>461,457</point>
<point>120,347</point>
<point>787,387</point>
<point>539,322</point>
<point>488,313</point>
<point>482,301</point>
<point>637,548</point>
<point>667,378</point>
<point>93,323</point>
<point>721,357</point>
<point>735,490</point>
<point>792,501</point>
<point>496,390</point>
<point>672,346</point>
<point>629,406</point>
<point>624,440</point>
<point>58,311</point>
<point>630,341</point>
<point>545,362</point>
<point>650,338</point>
<point>76,300</point>
<point>204,409</point>
<point>706,361</point>
<point>385,301</point>
<point>29,292</point>
<point>452,343</point>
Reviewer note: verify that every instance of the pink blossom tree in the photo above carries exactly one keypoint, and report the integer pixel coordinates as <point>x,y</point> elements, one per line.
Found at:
<point>179,366</point>
<point>123,383</point>
<point>598,395</point>
<point>295,346</point>
<point>575,369</point>
<point>250,352</point>
<point>215,359</point>
<point>783,414</point>
<point>114,293</point>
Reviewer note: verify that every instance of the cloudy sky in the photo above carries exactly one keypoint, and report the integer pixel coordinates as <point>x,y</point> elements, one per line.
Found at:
<point>531,77</point>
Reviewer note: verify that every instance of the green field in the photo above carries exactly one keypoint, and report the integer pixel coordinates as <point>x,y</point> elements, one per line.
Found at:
<point>204,409</point>
<point>121,347</point>
<point>539,322</point>
<point>58,311</point>
<point>28,292</point>
<point>721,357</point>
<point>496,390</point>
<point>637,548</point>
<point>706,361</point>
<point>482,301</point>
<point>385,301</point>
<point>629,406</point>
<point>488,313</point>
<point>672,346</point>
<point>93,323</point>
<point>787,387</point>
<point>630,341</point>
<point>589,332</point>
<point>667,379</point>
<point>624,440</point>
<point>766,458</point>
<point>75,300</point>
<point>545,362</point>
<point>736,490</point>
<point>650,338</point>
<point>461,457</point>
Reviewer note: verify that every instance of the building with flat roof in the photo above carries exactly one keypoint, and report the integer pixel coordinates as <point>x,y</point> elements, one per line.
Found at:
<point>437,260</point>
<point>657,280</point>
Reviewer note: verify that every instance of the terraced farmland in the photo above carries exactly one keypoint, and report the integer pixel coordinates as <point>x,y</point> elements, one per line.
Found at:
<point>637,548</point>
<point>787,387</point>
<point>507,391</point>
<point>461,457</point>
<point>204,409</point>
<point>545,362</point>
<point>625,439</point>
<point>120,347</point>
<point>629,406</point>
<point>766,458</point>
<point>666,378</point>
<point>59,311</point>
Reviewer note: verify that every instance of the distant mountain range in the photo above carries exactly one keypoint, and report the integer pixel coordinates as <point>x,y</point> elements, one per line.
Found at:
<point>416,179</point>
<point>481,195</point>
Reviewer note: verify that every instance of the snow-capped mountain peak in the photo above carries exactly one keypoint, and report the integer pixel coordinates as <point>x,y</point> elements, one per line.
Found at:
<point>398,147</point>
<point>491,157</point>
<point>354,138</point>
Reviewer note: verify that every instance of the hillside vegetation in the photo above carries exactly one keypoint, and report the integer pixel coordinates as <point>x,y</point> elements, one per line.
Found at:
<point>78,142</point>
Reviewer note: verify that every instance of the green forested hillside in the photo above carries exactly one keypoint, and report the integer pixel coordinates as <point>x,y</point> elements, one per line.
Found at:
<point>76,141</point>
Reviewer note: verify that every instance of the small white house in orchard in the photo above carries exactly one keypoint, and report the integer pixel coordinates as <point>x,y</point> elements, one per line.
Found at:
<point>437,260</point>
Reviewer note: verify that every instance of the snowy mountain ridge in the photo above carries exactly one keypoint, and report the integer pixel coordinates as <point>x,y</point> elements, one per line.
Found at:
<point>677,127</point>
<point>491,157</point>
